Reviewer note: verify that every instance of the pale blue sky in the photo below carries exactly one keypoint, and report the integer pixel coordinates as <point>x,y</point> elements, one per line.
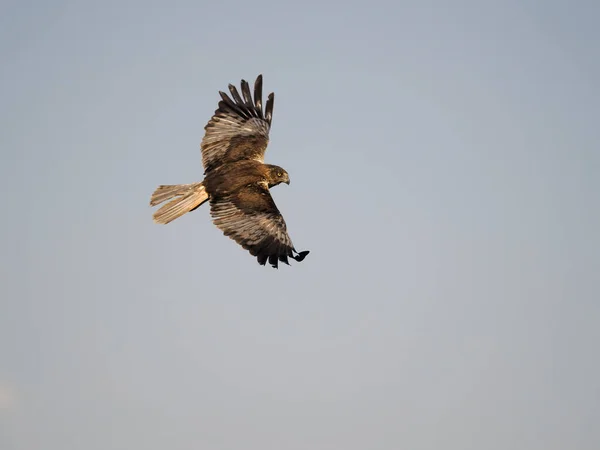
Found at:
<point>444,162</point>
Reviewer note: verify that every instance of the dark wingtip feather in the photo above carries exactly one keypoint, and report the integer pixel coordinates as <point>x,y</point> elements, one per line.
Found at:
<point>246,91</point>
<point>300,256</point>
<point>248,98</point>
<point>284,259</point>
<point>231,105</point>
<point>274,258</point>
<point>236,95</point>
<point>262,259</point>
<point>269,108</point>
<point>258,95</point>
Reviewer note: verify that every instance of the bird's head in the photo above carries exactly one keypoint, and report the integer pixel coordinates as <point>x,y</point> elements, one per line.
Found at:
<point>278,175</point>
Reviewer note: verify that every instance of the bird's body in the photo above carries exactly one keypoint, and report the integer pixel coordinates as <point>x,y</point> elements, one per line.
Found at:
<point>230,177</point>
<point>237,181</point>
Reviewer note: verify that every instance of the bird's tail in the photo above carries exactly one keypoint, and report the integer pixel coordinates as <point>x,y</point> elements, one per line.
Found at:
<point>187,197</point>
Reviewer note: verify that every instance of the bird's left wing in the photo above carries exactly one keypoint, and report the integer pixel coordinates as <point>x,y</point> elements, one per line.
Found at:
<point>250,217</point>
<point>239,129</point>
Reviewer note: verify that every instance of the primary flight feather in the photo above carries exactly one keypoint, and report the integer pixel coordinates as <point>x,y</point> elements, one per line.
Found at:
<point>236,180</point>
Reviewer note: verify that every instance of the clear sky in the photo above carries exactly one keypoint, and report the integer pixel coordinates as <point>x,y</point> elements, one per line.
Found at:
<point>444,162</point>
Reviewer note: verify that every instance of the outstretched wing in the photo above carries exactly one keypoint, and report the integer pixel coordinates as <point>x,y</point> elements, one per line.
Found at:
<point>250,217</point>
<point>238,129</point>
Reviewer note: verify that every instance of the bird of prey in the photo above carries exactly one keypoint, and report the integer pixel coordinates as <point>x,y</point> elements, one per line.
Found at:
<point>236,179</point>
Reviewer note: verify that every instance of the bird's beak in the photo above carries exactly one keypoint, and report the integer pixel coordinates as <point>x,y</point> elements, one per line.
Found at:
<point>287,181</point>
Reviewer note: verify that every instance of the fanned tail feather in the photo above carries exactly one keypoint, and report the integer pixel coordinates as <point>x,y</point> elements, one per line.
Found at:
<point>186,198</point>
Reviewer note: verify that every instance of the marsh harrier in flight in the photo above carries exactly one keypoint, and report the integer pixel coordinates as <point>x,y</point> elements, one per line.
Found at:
<point>236,179</point>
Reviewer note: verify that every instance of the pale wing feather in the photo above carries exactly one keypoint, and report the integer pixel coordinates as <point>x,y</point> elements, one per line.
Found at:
<point>237,130</point>
<point>251,218</point>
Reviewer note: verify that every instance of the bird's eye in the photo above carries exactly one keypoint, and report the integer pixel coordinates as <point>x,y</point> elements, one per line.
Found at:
<point>279,174</point>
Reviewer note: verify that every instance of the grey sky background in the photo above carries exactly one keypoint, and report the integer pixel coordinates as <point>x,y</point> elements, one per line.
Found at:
<point>443,159</point>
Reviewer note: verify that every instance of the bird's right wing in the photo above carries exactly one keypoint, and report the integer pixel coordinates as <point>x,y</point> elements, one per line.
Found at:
<point>250,217</point>
<point>238,129</point>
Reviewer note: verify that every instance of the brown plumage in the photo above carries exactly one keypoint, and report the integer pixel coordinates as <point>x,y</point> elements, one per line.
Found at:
<point>237,181</point>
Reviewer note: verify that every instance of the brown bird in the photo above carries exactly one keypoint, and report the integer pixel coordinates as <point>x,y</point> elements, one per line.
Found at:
<point>236,180</point>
